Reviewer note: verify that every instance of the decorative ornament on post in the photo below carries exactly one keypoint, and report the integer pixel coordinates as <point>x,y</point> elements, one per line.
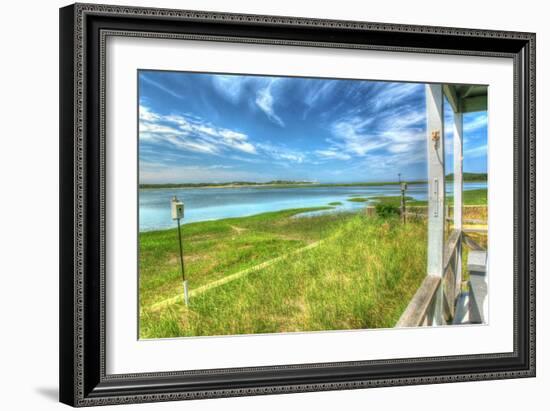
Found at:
<point>435,137</point>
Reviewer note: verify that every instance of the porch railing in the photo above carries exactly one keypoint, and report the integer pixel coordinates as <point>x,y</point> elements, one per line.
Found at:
<point>435,300</point>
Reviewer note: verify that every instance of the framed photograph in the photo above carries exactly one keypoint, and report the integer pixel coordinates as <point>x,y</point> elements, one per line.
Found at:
<point>260,204</point>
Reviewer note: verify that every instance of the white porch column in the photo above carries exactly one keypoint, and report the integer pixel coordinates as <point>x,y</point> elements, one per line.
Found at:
<point>436,189</point>
<point>458,186</point>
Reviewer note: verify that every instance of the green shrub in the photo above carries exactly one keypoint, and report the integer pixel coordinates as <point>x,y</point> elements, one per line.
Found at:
<point>386,210</point>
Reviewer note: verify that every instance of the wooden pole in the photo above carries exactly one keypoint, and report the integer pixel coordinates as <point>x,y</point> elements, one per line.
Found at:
<point>403,205</point>
<point>436,187</point>
<point>185,291</point>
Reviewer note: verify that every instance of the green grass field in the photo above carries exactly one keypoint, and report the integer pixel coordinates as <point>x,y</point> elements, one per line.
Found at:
<point>214,249</point>
<point>469,197</point>
<point>358,199</point>
<point>361,276</point>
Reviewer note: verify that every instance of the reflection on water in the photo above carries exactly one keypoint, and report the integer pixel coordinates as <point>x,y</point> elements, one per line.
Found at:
<point>203,204</point>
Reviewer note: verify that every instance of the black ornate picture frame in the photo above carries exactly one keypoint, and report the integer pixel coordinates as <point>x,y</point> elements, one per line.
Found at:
<point>83,32</point>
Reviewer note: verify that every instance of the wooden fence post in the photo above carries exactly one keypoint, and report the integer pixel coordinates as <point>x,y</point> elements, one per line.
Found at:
<point>403,206</point>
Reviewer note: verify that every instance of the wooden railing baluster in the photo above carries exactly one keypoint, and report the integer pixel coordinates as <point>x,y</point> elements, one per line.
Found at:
<point>420,310</point>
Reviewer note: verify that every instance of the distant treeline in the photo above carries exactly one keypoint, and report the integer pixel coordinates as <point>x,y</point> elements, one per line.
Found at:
<point>291,183</point>
<point>231,183</point>
<point>468,177</point>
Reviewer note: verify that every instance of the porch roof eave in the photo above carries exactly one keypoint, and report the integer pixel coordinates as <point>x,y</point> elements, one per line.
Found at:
<point>466,98</point>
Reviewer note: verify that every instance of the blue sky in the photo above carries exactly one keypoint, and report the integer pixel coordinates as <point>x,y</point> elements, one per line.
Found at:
<point>196,127</point>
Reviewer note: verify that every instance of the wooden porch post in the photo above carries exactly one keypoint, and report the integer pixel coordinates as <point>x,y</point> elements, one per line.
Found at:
<point>458,187</point>
<point>436,190</point>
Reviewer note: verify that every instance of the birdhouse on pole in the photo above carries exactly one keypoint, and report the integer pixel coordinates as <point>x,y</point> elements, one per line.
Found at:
<point>177,209</point>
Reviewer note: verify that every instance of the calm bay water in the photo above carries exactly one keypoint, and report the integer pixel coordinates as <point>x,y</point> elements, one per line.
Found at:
<point>202,204</point>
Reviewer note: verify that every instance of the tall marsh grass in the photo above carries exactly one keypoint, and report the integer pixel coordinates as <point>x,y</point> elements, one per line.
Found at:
<point>361,276</point>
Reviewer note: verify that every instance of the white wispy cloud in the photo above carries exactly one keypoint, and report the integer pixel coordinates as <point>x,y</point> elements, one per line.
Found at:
<point>161,86</point>
<point>150,129</point>
<point>151,153</point>
<point>393,93</point>
<point>229,86</point>
<point>155,172</point>
<point>332,154</point>
<point>316,92</point>
<point>265,101</point>
<point>257,91</point>
<point>278,152</point>
<point>395,132</point>
<point>403,118</point>
<point>191,133</point>
<point>147,115</point>
<point>386,129</point>
<point>399,148</point>
<point>353,140</point>
<point>474,152</point>
<point>475,123</point>
<point>472,122</point>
